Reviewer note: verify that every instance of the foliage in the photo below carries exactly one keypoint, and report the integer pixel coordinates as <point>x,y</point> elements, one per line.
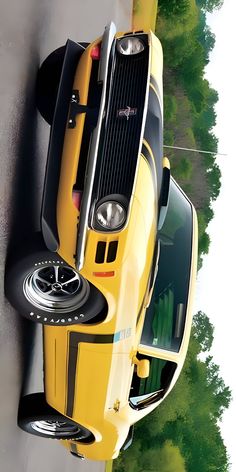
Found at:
<point>183,170</point>
<point>210,5</point>
<point>173,7</point>
<point>205,36</point>
<point>208,214</point>
<point>214,178</point>
<point>169,138</point>
<point>203,331</point>
<point>189,104</point>
<point>170,107</point>
<point>169,28</point>
<point>167,458</point>
<point>204,243</point>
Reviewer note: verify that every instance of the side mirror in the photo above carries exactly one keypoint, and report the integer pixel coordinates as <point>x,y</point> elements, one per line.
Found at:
<point>143,367</point>
<point>164,197</point>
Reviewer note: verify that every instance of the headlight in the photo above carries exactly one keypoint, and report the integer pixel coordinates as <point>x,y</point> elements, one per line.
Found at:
<point>130,45</point>
<point>110,215</point>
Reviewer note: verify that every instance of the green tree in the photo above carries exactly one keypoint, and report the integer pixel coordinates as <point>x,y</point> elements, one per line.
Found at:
<point>169,138</point>
<point>204,243</point>
<point>209,142</point>
<point>173,7</point>
<point>206,119</point>
<point>168,458</point>
<point>192,67</point>
<point>177,49</point>
<point>208,213</point>
<point>170,107</point>
<point>175,406</point>
<point>203,331</point>
<point>214,179</point>
<point>210,5</point>
<point>204,35</point>
<point>220,393</point>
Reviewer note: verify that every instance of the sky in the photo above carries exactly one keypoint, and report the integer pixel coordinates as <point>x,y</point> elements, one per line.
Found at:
<point>216,284</point>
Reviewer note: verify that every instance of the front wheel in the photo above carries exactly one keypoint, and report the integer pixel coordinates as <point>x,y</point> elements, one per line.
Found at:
<point>36,417</point>
<point>45,289</point>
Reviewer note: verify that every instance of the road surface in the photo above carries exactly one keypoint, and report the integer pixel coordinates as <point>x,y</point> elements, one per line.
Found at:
<point>29,30</point>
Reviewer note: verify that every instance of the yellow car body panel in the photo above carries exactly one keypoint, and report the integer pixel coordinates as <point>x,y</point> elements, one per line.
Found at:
<point>103,376</point>
<point>89,368</point>
<point>124,292</point>
<point>103,370</point>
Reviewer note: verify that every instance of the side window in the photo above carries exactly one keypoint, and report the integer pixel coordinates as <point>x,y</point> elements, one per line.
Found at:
<point>146,391</point>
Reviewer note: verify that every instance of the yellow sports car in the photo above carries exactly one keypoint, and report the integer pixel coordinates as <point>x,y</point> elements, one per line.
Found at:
<point>111,277</point>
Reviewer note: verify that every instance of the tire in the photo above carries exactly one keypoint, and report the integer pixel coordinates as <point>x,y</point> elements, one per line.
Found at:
<point>38,285</point>
<point>47,83</point>
<point>36,417</point>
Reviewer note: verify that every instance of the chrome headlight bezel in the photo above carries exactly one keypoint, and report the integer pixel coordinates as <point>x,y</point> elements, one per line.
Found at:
<point>130,45</point>
<point>109,215</point>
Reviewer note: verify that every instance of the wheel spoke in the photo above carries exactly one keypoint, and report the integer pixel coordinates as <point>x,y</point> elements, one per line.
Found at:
<point>55,428</point>
<point>63,290</point>
<point>50,291</point>
<point>70,280</point>
<point>56,270</point>
<point>43,280</point>
<point>56,288</point>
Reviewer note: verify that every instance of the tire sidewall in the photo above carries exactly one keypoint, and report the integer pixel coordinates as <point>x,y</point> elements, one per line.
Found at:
<point>15,278</point>
<point>34,408</point>
<point>26,425</point>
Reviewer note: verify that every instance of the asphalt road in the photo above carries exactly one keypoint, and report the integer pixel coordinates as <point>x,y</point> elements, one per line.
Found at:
<point>29,30</point>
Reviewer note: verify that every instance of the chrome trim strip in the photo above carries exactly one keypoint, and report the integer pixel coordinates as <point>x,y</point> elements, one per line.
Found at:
<point>107,41</point>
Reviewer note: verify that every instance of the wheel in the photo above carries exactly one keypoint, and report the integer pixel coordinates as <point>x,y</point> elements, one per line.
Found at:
<point>45,289</point>
<point>47,83</point>
<point>35,416</point>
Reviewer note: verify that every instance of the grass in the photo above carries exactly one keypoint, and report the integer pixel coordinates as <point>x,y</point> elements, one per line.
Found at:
<point>108,466</point>
<point>172,28</point>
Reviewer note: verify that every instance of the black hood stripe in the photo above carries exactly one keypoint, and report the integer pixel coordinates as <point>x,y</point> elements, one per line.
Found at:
<point>146,153</point>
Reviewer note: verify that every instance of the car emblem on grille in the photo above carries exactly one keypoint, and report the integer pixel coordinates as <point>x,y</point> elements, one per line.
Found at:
<point>126,112</point>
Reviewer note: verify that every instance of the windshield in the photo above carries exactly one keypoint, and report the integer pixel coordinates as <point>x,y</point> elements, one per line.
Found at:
<point>165,316</point>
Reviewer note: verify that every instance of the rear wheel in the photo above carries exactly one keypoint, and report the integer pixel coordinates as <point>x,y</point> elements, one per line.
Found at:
<point>35,416</point>
<point>44,288</point>
<point>47,83</point>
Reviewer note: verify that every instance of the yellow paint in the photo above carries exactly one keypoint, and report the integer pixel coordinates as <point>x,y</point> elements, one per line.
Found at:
<point>166,162</point>
<point>104,371</point>
<point>144,15</point>
<point>157,66</point>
